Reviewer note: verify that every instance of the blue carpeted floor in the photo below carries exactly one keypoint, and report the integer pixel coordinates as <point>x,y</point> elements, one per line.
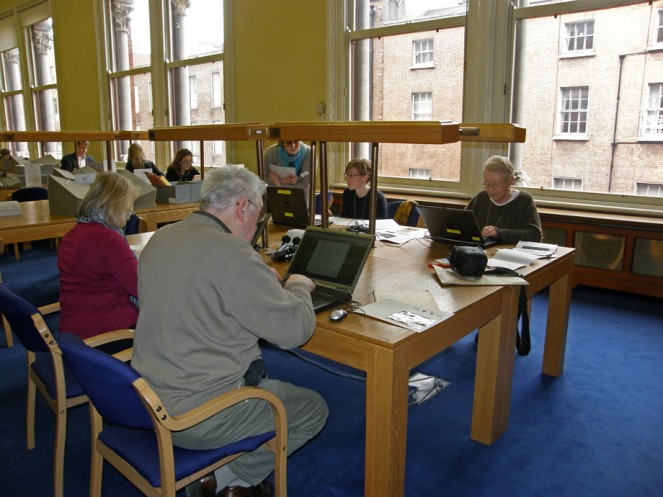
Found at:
<point>595,431</point>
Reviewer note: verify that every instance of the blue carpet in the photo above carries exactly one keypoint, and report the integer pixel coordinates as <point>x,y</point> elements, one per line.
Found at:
<point>595,431</point>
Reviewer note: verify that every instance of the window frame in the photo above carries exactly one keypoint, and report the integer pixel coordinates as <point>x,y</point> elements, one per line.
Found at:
<point>577,52</point>
<point>429,52</point>
<point>342,38</point>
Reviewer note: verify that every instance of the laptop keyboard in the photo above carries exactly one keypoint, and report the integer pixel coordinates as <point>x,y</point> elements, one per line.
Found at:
<point>321,294</point>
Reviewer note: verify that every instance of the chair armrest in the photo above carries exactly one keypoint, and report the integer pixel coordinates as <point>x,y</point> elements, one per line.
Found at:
<point>49,308</point>
<point>209,408</point>
<point>114,336</point>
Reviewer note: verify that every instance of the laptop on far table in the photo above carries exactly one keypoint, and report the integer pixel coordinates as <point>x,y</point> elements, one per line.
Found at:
<point>334,260</point>
<point>454,226</point>
<point>287,205</point>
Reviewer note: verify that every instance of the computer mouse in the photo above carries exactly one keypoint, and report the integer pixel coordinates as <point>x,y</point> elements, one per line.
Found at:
<point>337,314</point>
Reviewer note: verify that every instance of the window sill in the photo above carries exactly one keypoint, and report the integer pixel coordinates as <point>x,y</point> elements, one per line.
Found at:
<point>422,66</point>
<point>655,138</point>
<point>570,137</point>
<point>577,55</point>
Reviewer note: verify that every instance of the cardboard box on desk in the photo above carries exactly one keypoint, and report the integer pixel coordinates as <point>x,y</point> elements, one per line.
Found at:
<point>65,195</point>
<point>179,192</point>
<point>146,192</point>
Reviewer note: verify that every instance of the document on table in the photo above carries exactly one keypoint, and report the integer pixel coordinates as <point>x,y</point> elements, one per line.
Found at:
<point>282,171</point>
<point>405,315</point>
<point>511,259</point>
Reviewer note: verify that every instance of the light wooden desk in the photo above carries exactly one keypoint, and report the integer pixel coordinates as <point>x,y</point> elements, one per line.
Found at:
<point>387,353</point>
<point>36,222</point>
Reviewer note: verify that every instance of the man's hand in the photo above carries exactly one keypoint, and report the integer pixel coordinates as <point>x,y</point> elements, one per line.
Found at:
<point>300,278</point>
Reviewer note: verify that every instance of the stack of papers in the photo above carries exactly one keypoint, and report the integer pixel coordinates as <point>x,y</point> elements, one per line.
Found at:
<point>405,315</point>
<point>522,255</point>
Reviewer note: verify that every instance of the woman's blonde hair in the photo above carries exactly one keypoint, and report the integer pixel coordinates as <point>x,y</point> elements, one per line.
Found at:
<point>112,196</point>
<point>135,155</point>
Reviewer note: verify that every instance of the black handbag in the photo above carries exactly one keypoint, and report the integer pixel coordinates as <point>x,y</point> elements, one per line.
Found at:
<point>468,260</point>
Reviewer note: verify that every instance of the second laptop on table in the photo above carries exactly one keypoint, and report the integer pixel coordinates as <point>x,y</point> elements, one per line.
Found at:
<point>454,226</point>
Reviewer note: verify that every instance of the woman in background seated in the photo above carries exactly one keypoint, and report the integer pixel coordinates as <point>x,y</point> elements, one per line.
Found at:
<point>136,160</point>
<point>355,196</point>
<point>505,213</point>
<point>182,168</point>
<point>291,154</point>
<point>98,269</point>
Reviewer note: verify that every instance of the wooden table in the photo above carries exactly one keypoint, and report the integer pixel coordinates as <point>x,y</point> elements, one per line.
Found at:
<point>166,213</point>
<point>37,223</point>
<point>387,353</point>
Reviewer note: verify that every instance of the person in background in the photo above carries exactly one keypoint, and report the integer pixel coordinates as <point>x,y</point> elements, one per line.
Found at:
<point>78,159</point>
<point>181,169</point>
<point>506,214</point>
<point>199,313</point>
<point>291,154</point>
<point>98,269</point>
<point>136,160</point>
<point>5,154</point>
<point>355,196</point>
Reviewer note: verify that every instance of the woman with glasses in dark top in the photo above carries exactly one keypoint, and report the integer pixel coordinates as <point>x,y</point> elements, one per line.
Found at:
<point>505,213</point>
<point>181,169</point>
<point>356,195</point>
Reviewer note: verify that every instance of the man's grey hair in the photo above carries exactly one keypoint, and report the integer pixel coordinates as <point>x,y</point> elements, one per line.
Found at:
<point>227,185</point>
<point>499,164</point>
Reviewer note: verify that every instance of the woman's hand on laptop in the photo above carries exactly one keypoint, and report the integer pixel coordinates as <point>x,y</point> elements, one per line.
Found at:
<point>489,231</point>
<point>300,278</point>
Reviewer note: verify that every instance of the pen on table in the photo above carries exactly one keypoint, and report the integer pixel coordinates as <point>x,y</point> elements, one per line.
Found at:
<point>529,247</point>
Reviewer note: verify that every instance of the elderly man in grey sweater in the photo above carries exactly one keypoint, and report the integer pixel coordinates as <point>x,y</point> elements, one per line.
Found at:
<point>206,299</point>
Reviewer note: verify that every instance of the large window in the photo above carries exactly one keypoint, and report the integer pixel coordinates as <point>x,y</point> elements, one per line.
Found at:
<point>583,77</point>
<point>130,59</point>
<point>196,43</point>
<point>193,43</point>
<point>594,119</point>
<point>28,77</point>
<point>397,76</point>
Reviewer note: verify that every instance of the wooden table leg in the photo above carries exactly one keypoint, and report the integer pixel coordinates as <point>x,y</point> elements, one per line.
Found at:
<point>386,422</point>
<point>559,302</point>
<point>494,371</point>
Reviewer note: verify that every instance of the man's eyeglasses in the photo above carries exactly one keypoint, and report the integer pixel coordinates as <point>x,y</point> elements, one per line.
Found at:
<point>492,185</point>
<point>262,212</point>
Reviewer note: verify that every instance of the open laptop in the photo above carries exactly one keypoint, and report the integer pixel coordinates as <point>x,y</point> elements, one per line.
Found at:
<point>454,226</point>
<point>334,260</point>
<point>287,205</point>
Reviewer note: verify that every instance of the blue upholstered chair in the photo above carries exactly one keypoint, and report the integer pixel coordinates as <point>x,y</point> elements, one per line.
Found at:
<point>131,429</point>
<point>318,201</point>
<point>135,224</point>
<point>30,193</point>
<point>46,371</point>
